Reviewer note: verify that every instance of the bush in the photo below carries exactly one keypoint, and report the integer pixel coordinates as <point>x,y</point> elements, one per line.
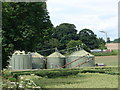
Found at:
<point>105,53</point>
<point>12,79</point>
<point>48,73</point>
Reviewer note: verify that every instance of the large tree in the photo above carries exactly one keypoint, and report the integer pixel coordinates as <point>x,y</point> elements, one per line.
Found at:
<point>102,43</point>
<point>26,26</point>
<point>88,37</point>
<point>76,43</point>
<point>64,33</point>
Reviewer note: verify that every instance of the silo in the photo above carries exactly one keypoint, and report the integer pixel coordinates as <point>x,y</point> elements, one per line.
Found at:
<point>83,59</point>
<point>55,60</point>
<point>37,61</point>
<point>20,60</point>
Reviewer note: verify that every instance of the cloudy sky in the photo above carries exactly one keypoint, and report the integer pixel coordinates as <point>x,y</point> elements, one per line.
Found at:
<point>97,15</point>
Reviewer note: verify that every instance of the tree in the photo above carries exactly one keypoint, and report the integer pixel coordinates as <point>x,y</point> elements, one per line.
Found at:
<point>49,46</point>
<point>108,40</point>
<point>74,43</point>
<point>116,40</point>
<point>88,37</point>
<point>26,26</point>
<point>64,33</point>
<point>102,43</point>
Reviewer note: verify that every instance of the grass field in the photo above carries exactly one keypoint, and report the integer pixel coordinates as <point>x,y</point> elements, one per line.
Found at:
<point>88,80</point>
<point>87,77</point>
<point>108,60</point>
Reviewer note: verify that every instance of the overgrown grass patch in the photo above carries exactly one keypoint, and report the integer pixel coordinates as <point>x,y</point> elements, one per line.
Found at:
<point>84,80</point>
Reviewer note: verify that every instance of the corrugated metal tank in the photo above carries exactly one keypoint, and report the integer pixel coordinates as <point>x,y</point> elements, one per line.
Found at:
<point>79,54</point>
<point>20,60</point>
<point>37,61</point>
<point>55,60</point>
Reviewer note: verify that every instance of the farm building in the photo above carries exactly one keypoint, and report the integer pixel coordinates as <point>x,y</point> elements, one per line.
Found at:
<point>20,60</point>
<point>38,61</point>
<point>113,46</point>
<point>55,60</point>
<point>81,58</point>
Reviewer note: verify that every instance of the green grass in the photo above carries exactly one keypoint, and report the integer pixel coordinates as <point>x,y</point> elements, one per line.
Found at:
<point>87,77</point>
<point>108,60</point>
<point>84,80</point>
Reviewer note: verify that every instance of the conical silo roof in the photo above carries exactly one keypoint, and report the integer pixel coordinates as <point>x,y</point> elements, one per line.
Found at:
<point>81,53</point>
<point>36,55</point>
<point>56,54</point>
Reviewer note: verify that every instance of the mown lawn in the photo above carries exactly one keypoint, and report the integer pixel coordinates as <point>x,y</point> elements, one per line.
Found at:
<point>82,80</point>
<point>108,60</point>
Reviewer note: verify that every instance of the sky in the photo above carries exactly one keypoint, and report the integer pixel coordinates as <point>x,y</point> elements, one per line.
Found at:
<point>96,15</point>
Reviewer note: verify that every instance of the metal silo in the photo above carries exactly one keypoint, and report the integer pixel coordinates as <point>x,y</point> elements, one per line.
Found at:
<point>83,59</point>
<point>37,61</point>
<point>55,60</point>
<point>20,60</point>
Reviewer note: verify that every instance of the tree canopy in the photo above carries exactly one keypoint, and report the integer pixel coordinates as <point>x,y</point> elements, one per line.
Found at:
<point>26,26</point>
<point>64,33</point>
<point>88,37</point>
<point>116,40</point>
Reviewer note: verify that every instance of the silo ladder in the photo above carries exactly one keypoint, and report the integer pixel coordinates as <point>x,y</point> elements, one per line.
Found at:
<point>74,61</point>
<point>82,63</point>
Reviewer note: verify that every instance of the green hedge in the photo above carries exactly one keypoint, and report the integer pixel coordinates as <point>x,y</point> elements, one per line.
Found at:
<point>105,53</point>
<point>66,72</point>
<point>49,74</point>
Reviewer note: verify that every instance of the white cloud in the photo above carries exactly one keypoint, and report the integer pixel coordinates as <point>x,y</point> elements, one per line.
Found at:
<point>93,14</point>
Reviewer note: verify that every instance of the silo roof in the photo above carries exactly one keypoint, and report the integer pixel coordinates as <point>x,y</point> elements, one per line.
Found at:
<point>81,53</point>
<point>36,55</point>
<point>18,52</point>
<point>56,54</point>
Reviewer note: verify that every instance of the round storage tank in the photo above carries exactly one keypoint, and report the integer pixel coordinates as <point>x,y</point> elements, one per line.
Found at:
<point>20,61</point>
<point>83,59</point>
<point>55,60</point>
<point>37,61</point>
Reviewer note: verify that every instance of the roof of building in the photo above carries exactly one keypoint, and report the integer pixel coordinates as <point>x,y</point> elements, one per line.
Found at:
<point>36,55</point>
<point>112,45</point>
<point>81,53</point>
<point>56,54</point>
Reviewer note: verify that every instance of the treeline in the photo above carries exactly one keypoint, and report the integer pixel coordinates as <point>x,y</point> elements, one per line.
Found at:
<point>27,26</point>
<point>116,41</point>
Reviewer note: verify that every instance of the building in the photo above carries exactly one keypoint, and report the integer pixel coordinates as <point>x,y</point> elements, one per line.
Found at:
<point>113,46</point>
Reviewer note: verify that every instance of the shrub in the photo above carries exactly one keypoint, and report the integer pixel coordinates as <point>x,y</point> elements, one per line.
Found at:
<point>48,73</point>
<point>12,79</point>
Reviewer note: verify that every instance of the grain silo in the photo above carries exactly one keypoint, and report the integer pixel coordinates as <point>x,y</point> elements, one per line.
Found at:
<point>55,60</point>
<point>20,60</point>
<point>38,61</point>
<point>80,59</point>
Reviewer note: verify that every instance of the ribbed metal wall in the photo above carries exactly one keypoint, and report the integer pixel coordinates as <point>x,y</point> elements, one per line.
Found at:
<point>21,61</point>
<point>38,61</point>
<point>55,60</point>
<point>80,54</point>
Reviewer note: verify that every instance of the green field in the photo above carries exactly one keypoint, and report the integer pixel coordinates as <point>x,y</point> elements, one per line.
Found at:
<point>108,60</point>
<point>84,80</point>
<point>88,77</point>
